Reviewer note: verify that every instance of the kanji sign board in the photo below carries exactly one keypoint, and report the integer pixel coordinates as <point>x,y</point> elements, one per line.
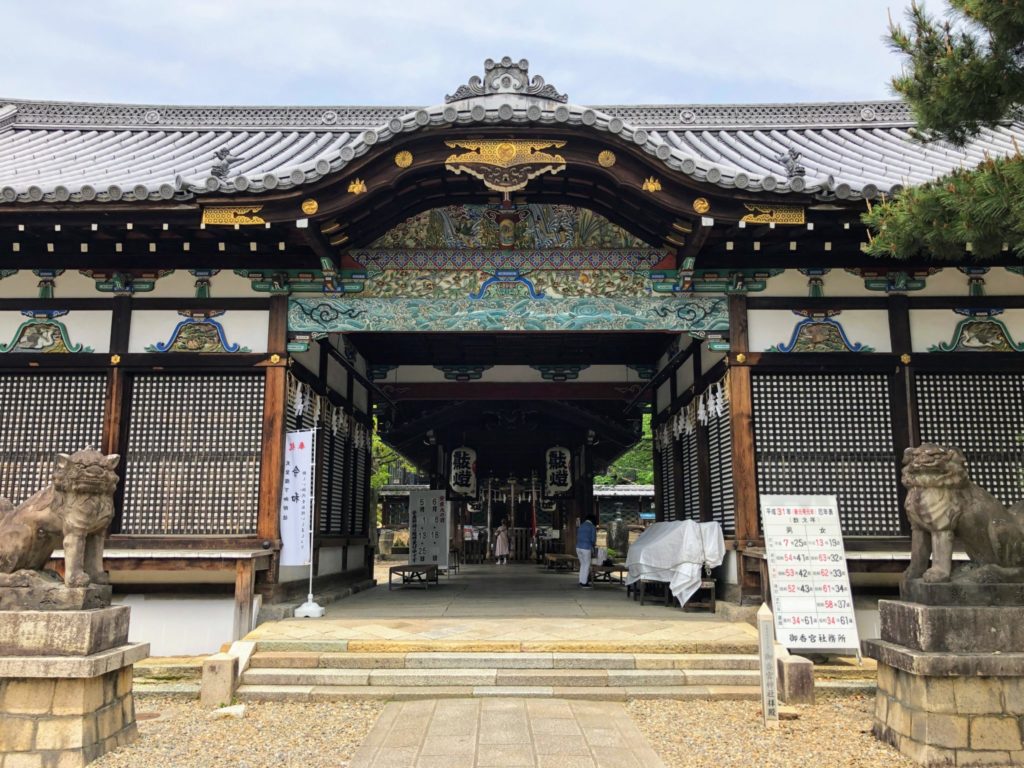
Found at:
<point>429,526</point>
<point>807,568</point>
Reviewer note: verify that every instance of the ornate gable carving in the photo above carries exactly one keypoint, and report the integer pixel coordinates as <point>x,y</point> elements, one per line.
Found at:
<point>506,76</point>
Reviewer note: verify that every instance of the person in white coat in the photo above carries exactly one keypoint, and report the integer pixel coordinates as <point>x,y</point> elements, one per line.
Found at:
<point>501,547</point>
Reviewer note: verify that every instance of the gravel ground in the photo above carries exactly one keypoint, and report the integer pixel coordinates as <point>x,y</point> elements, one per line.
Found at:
<point>176,733</point>
<point>834,732</point>
<point>279,734</point>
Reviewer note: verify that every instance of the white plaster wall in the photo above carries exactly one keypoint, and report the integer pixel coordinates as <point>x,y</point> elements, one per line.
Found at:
<point>226,284</point>
<point>838,282</point>
<point>74,285</point>
<point>249,328</point>
<point>789,283</point>
<point>337,377</point>
<point>933,326</point>
<point>1003,282</point>
<point>728,571</point>
<point>310,360</point>
<point>359,398</point>
<point>21,285</point>
<point>948,282</point>
<point>770,327</point>
<point>293,573</point>
<point>709,359</point>
<point>684,376</point>
<point>356,558</point>
<point>88,327</point>
<point>663,398</point>
<point>331,559</point>
<point>179,625</point>
<point>177,285</point>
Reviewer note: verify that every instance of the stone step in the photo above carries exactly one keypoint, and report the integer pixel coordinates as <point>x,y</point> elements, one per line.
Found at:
<point>442,660</point>
<point>479,677</point>
<point>382,647</point>
<point>249,692</point>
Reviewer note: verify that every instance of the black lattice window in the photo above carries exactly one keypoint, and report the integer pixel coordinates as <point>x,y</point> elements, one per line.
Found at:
<point>42,415</point>
<point>668,481</point>
<point>358,521</point>
<point>720,459</point>
<point>982,415</point>
<point>829,434</point>
<point>690,508</point>
<point>193,458</point>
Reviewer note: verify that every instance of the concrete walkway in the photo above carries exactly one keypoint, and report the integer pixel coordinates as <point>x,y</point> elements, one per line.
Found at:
<point>521,607</point>
<point>475,733</point>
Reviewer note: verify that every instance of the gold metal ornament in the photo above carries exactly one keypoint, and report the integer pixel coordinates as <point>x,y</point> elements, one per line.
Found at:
<point>230,215</point>
<point>741,358</point>
<point>701,205</point>
<point>773,214</point>
<point>275,359</point>
<point>505,165</point>
<point>310,206</point>
<point>115,359</point>
<point>403,159</point>
<point>651,184</point>
<point>905,358</point>
<point>357,187</point>
<point>606,158</point>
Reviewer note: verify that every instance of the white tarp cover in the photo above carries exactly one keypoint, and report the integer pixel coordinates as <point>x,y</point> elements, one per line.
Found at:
<point>676,552</point>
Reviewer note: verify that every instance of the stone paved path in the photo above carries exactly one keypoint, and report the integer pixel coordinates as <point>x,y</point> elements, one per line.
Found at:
<point>511,733</point>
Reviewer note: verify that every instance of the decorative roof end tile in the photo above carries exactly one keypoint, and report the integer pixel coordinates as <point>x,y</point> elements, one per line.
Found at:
<point>506,76</point>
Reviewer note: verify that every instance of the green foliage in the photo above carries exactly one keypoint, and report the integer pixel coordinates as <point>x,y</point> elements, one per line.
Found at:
<point>983,207</point>
<point>960,74</point>
<point>635,466</point>
<point>964,72</point>
<point>383,457</point>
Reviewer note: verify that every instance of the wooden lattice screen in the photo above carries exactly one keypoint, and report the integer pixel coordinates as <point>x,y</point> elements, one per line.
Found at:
<point>43,415</point>
<point>720,459</point>
<point>667,480</point>
<point>983,415</point>
<point>829,434</point>
<point>357,523</point>
<point>690,508</point>
<point>193,456</point>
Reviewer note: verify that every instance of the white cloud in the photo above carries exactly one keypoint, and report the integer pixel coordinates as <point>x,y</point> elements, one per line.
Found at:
<point>404,52</point>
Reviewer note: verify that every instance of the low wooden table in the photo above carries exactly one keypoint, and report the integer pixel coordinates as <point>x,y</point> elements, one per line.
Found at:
<point>413,573</point>
<point>609,573</point>
<point>558,562</point>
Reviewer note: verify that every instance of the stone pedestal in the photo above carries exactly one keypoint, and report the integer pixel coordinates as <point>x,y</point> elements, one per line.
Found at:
<point>65,686</point>
<point>950,681</point>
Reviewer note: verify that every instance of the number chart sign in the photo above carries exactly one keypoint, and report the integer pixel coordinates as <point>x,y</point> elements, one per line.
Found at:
<point>807,566</point>
<point>428,528</point>
<point>297,497</point>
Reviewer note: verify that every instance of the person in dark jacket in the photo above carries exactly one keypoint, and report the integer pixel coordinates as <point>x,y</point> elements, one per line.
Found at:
<point>586,540</point>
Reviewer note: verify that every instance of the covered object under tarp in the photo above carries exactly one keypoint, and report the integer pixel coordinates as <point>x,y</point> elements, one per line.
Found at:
<point>675,552</point>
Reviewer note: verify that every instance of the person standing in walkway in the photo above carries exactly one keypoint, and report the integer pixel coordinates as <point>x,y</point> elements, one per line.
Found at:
<point>586,540</point>
<point>501,544</point>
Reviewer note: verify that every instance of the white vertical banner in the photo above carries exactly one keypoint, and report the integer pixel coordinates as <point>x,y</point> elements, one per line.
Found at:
<point>429,528</point>
<point>297,497</point>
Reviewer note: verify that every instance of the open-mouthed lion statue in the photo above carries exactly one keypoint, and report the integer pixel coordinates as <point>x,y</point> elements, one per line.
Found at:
<point>943,504</point>
<point>74,510</point>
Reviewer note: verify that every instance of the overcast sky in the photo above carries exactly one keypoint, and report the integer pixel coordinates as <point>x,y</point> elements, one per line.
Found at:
<point>408,52</point>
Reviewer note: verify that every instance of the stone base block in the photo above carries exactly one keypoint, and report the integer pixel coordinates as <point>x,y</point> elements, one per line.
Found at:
<point>63,633</point>
<point>950,707</point>
<point>962,591</point>
<point>45,591</point>
<point>56,721</point>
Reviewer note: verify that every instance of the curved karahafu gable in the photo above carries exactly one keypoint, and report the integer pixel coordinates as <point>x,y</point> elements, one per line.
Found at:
<point>53,152</point>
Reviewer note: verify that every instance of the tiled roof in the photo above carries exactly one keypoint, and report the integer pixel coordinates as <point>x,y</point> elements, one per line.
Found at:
<point>80,152</point>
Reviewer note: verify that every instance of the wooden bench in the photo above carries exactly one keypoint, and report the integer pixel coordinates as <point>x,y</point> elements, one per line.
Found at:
<point>609,573</point>
<point>559,562</point>
<point>645,587</point>
<point>413,573</point>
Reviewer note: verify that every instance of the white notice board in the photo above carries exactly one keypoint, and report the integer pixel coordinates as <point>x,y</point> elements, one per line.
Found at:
<point>297,497</point>
<point>810,582</point>
<point>428,528</point>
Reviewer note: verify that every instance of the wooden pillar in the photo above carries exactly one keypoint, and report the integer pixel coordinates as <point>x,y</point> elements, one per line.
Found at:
<point>245,586</point>
<point>116,404</point>
<point>904,401</point>
<point>741,425</point>
<point>275,404</point>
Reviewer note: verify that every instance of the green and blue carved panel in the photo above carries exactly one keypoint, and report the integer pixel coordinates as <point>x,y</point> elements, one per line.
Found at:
<point>42,333</point>
<point>980,331</point>
<point>340,314</point>
<point>820,334</point>
<point>199,331</point>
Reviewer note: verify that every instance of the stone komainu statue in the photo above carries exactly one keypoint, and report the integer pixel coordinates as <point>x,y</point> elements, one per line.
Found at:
<point>74,510</point>
<point>943,504</point>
